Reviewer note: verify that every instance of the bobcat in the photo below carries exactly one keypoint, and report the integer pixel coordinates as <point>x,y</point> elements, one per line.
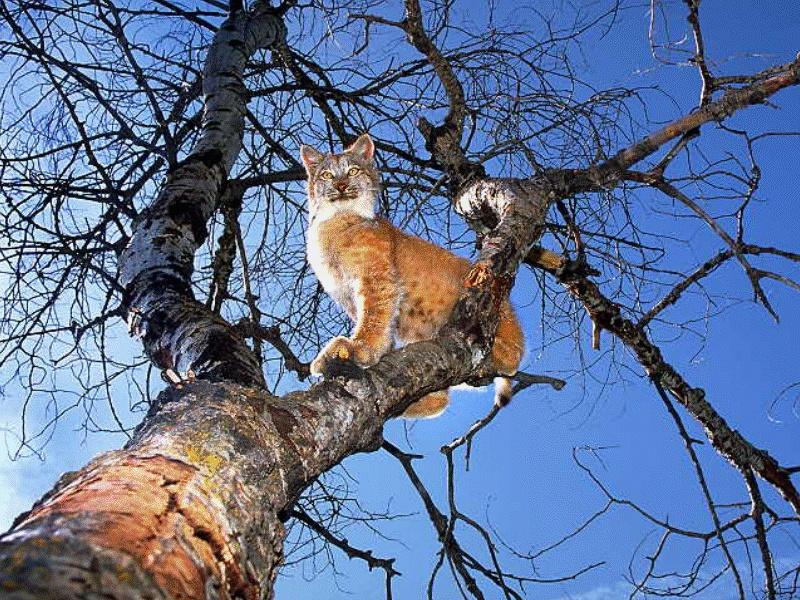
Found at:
<point>395,287</point>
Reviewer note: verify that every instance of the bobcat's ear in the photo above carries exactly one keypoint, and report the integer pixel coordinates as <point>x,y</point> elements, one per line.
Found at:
<point>311,157</point>
<point>362,148</point>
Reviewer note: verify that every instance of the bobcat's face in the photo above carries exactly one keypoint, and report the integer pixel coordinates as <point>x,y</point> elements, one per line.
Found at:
<point>346,182</point>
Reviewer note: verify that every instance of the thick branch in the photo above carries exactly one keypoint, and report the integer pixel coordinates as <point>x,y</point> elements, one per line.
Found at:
<point>609,172</point>
<point>156,267</point>
<point>192,503</point>
<point>443,142</point>
<point>725,440</point>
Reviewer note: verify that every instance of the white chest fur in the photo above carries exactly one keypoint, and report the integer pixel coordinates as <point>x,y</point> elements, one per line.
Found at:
<point>323,261</point>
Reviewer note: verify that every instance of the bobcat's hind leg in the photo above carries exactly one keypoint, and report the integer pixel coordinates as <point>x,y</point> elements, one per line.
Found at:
<point>428,406</point>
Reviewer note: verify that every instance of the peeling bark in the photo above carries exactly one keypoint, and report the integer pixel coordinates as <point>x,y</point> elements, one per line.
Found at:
<point>516,211</point>
<point>190,508</point>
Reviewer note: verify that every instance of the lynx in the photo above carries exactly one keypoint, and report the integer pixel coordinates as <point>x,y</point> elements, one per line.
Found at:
<point>395,287</point>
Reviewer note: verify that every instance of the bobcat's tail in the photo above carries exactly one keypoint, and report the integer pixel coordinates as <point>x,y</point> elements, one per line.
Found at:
<point>503,390</point>
<point>509,345</point>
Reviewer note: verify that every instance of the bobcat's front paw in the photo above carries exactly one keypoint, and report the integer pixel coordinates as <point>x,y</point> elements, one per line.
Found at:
<point>341,350</point>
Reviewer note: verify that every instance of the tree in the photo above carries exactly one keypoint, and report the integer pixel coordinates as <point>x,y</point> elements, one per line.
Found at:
<point>118,154</point>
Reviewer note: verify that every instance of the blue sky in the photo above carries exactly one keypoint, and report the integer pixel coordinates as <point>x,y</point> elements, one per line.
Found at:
<point>522,478</point>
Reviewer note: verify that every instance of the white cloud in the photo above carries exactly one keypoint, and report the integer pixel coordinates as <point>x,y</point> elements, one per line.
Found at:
<point>13,498</point>
<point>615,591</point>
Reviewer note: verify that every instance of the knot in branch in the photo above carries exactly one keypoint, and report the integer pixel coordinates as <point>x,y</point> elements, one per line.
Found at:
<point>444,144</point>
<point>488,201</point>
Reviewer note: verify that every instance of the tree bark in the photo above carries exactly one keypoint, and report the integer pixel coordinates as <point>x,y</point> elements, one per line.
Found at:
<point>190,508</point>
<point>180,334</point>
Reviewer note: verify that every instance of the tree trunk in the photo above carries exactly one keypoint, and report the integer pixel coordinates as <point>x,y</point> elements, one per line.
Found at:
<point>191,507</point>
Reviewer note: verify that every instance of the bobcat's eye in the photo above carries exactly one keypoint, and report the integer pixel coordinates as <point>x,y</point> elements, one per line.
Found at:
<point>326,175</point>
<point>353,171</point>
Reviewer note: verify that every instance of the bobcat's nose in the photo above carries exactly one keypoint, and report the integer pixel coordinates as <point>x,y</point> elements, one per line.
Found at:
<point>341,186</point>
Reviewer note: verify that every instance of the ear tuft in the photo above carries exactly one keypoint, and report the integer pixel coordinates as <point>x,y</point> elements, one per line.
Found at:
<point>362,148</point>
<point>311,157</point>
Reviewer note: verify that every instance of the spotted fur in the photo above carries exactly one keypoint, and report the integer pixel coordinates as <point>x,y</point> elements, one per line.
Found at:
<point>397,288</point>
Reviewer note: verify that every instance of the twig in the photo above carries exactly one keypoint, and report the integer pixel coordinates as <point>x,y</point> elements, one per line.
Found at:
<point>450,546</point>
<point>757,514</point>
<point>689,443</point>
<point>222,264</point>
<point>373,562</point>
<point>272,335</point>
<point>524,380</point>
<point>699,57</point>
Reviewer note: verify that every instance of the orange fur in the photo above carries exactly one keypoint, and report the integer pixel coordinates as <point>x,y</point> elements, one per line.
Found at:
<point>394,286</point>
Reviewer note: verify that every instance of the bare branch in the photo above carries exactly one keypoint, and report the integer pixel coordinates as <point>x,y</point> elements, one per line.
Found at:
<point>373,562</point>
